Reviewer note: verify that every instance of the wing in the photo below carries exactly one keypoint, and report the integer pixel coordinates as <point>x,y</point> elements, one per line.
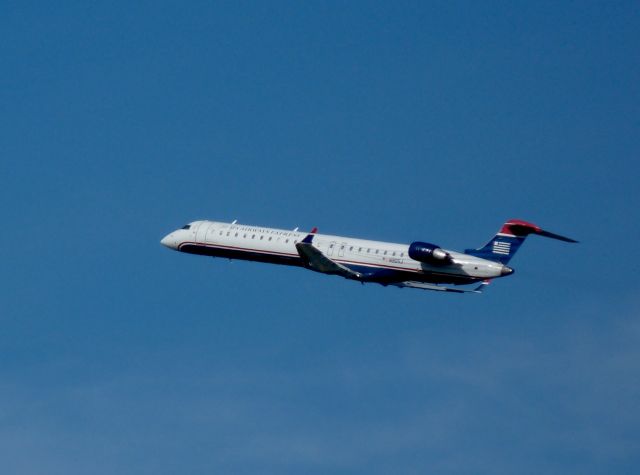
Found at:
<point>426,286</point>
<point>315,260</point>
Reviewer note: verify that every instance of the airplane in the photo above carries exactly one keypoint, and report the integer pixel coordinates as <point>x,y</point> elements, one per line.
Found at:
<point>419,265</point>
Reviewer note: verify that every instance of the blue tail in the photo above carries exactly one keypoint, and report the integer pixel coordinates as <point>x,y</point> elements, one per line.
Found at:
<point>506,243</point>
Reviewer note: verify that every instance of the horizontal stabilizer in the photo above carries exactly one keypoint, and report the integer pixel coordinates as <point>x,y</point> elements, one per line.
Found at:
<point>544,233</point>
<point>426,286</point>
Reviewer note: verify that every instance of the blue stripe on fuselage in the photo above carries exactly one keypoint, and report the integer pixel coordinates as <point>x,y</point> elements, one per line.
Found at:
<point>382,275</point>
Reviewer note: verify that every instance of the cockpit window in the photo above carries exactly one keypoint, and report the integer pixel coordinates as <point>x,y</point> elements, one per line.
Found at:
<point>186,226</point>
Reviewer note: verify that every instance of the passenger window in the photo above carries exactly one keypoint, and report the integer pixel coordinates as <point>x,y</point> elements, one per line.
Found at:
<point>359,249</point>
<point>287,240</point>
<point>236,234</point>
<point>377,251</point>
<point>368,250</point>
<point>394,253</point>
<point>270,238</point>
<point>261,238</point>
<point>253,236</point>
<point>385,253</point>
<point>351,248</point>
<point>244,235</point>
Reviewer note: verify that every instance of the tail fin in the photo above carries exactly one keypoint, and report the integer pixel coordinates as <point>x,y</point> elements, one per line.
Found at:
<point>506,243</point>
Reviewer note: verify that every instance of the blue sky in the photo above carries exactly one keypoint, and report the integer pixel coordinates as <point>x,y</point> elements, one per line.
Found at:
<point>394,121</point>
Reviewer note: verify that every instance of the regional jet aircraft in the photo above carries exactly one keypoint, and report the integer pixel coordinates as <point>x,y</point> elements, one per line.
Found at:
<point>419,265</point>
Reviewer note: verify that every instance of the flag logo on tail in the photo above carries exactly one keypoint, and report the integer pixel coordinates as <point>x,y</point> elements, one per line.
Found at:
<point>501,247</point>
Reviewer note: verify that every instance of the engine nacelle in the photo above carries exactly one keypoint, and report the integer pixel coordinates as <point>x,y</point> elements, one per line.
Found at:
<point>429,253</point>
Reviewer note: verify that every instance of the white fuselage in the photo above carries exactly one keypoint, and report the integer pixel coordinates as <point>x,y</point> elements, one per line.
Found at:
<point>240,241</point>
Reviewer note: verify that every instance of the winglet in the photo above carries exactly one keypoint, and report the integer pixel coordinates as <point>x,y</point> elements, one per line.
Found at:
<point>309,238</point>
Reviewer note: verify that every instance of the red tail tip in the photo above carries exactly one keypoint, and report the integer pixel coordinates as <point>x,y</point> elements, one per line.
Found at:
<point>517,227</point>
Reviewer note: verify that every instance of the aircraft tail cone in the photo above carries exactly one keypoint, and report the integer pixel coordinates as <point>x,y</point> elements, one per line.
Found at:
<point>506,270</point>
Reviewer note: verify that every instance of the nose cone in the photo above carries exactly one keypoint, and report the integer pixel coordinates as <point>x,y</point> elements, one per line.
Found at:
<point>169,241</point>
<point>506,271</point>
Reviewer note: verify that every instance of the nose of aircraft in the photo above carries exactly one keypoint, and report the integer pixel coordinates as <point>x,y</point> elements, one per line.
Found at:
<point>169,241</point>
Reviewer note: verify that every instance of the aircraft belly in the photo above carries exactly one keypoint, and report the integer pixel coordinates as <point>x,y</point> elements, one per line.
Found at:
<point>241,254</point>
